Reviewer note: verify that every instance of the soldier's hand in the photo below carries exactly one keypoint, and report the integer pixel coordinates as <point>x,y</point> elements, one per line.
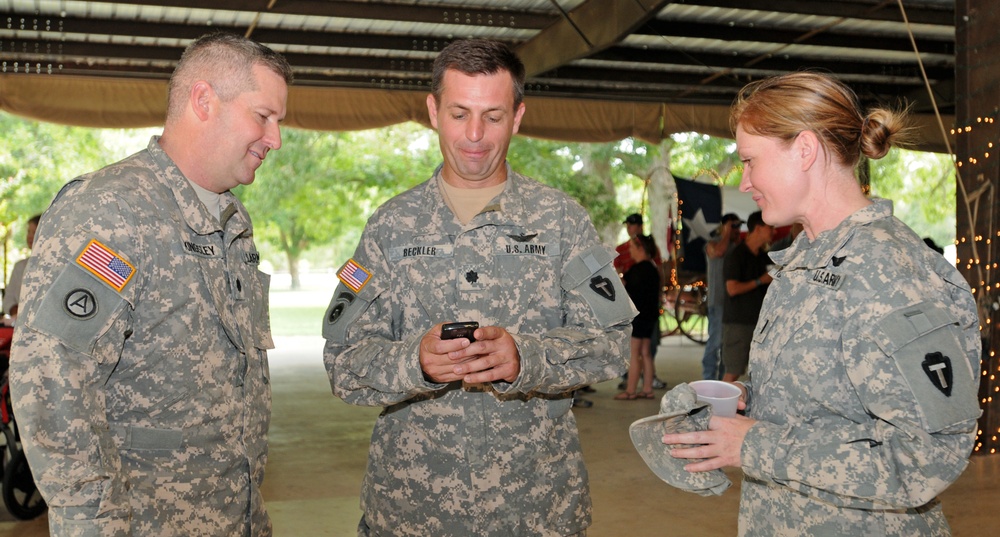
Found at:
<point>720,445</point>
<point>435,356</point>
<point>494,357</point>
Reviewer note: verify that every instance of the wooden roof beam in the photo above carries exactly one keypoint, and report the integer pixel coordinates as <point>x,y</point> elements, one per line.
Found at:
<point>591,27</point>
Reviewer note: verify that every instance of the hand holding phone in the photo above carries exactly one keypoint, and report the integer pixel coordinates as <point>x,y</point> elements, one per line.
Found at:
<point>458,330</point>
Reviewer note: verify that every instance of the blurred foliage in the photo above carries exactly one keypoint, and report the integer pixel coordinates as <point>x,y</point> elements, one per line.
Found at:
<point>570,167</point>
<point>36,159</point>
<point>922,188</point>
<point>701,157</point>
<point>320,188</point>
<point>311,199</point>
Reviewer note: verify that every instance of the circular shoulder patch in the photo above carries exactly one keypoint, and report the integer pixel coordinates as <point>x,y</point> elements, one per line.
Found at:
<point>80,304</point>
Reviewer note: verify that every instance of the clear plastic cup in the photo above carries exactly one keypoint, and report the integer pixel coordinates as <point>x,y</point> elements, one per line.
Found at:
<point>723,396</point>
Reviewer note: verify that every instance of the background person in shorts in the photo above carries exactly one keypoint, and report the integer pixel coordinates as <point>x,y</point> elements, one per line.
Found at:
<point>745,271</point>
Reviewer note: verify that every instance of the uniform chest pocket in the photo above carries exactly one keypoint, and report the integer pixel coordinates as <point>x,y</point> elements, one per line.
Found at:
<point>525,245</point>
<point>527,259</point>
<point>763,353</point>
<point>426,265</point>
<point>762,330</point>
<point>259,296</point>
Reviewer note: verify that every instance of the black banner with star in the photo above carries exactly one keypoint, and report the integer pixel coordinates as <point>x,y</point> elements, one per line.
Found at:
<point>699,207</point>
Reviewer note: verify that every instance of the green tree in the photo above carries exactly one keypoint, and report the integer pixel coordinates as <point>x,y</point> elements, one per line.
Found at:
<point>922,187</point>
<point>583,171</point>
<point>315,194</point>
<point>36,159</point>
<point>697,156</point>
<point>321,187</point>
<point>651,169</point>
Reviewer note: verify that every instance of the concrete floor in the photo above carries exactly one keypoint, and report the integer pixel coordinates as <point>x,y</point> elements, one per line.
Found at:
<point>319,447</point>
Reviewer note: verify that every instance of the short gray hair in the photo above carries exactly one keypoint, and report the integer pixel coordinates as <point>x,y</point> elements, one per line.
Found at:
<point>226,61</point>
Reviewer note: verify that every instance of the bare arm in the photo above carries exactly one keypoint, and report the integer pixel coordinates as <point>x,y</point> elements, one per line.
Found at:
<point>736,287</point>
<point>717,248</point>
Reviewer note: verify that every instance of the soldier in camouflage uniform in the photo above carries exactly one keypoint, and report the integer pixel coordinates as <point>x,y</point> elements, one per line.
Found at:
<point>862,401</point>
<point>139,367</point>
<point>476,438</point>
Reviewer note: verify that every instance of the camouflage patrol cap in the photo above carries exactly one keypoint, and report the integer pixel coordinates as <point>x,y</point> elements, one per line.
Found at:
<point>680,412</point>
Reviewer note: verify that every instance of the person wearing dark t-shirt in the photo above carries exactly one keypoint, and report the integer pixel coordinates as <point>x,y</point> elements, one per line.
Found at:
<point>745,272</point>
<point>623,262</point>
<point>642,282</point>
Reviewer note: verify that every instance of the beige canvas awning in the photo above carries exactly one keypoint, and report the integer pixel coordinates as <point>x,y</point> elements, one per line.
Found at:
<point>123,103</point>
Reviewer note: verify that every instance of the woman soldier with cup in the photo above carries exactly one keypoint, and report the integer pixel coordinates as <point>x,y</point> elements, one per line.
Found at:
<point>862,401</point>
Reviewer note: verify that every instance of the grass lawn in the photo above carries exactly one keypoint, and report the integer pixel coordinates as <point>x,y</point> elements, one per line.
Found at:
<point>297,320</point>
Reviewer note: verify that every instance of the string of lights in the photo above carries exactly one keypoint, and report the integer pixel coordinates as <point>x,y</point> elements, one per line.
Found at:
<point>986,148</point>
<point>975,170</point>
<point>978,139</point>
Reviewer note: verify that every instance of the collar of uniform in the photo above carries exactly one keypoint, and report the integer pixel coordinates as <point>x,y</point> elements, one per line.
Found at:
<point>509,206</point>
<point>817,253</point>
<point>196,215</point>
<point>506,207</point>
<point>435,213</point>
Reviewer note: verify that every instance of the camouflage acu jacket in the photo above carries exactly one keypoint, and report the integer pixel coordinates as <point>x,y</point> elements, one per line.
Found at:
<point>501,459</point>
<point>864,371</point>
<point>139,367</point>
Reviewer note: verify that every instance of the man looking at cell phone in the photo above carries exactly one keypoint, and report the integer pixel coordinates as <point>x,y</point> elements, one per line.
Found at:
<point>477,438</point>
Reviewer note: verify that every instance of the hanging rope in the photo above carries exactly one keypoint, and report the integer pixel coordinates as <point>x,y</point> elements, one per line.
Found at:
<point>966,199</point>
<point>256,20</point>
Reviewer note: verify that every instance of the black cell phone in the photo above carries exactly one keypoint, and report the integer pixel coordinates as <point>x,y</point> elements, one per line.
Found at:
<point>457,330</point>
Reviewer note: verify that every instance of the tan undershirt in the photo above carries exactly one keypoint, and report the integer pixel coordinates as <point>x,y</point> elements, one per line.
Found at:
<point>209,198</point>
<point>466,203</point>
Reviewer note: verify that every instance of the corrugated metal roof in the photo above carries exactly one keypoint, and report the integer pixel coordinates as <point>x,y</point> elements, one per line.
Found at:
<point>698,51</point>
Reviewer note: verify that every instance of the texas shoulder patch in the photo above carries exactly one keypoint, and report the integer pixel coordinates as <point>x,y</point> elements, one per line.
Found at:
<point>592,275</point>
<point>107,265</point>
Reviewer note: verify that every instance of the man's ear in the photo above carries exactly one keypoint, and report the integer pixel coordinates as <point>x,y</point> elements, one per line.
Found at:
<point>432,110</point>
<point>201,99</point>
<point>518,114</point>
<point>808,148</point>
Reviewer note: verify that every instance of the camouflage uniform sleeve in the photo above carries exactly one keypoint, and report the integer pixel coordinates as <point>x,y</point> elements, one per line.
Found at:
<point>70,332</point>
<point>912,370</point>
<point>748,387</point>
<point>593,343</point>
<point>365,363</point>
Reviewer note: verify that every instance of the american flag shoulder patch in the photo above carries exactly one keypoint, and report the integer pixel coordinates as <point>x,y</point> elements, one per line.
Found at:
<point>354,275</point>
<point>104,263</point>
